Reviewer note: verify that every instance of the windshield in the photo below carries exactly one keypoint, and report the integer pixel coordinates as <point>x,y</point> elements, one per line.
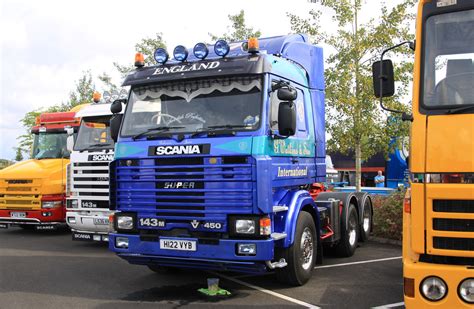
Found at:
<point>449,56</point>
<point>190,106</point>
<point>94,133</point>
<point>49,145</point>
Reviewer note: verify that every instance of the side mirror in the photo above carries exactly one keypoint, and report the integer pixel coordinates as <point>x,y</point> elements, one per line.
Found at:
<point>383,78</point>
<point>116,107</point>
<point>287,94</point>
<point>287,118</point>
<point>70,143</point>
<point>115,122</point>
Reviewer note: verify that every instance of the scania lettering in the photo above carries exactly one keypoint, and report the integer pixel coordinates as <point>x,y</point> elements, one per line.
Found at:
<point>88,177</point>
<point>213,165</point>
<point>438,217</point>
<point>32,192</point>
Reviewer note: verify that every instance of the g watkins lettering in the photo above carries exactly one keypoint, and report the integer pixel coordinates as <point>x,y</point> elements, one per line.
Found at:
<point>297,172</point>
<point>187,68</point>
<point>177,150</point>
<point>101,157</point>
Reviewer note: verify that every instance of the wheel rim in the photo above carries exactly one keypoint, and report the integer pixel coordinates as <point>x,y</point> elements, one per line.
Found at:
<point>307,247</point>
<point>352,231</point>
<point>366,222</point>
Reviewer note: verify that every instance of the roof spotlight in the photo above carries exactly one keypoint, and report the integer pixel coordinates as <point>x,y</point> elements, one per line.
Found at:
<point>200,50</point>
<point>221,48</point>
<point>180,53</point>
<point>161,55</point>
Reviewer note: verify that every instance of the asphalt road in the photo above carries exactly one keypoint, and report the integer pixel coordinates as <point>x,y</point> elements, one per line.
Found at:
<point>45,269</point>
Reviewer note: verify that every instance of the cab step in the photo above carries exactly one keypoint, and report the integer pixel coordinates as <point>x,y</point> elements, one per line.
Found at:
<point>278,236</point>
<point>279,208</point>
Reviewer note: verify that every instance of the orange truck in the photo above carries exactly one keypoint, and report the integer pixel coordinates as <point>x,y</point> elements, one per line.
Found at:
<point>32,192</point>
<point>438,217</point>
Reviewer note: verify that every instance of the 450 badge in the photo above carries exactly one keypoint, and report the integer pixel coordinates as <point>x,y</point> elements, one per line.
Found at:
<point>207,225</point>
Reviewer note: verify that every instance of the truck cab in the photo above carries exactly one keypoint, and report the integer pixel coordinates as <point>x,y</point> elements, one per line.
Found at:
<point>216,152</point>
<point>32,192</point>
<point>87,202</point>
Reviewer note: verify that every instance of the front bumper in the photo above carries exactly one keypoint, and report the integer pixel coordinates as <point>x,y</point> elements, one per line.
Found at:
<point>95,222</point>
<point>451,274</point>
<point>51,216</point>
<point>220,256</point>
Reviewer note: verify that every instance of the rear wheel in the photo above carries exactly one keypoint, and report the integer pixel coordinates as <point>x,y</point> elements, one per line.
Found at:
<point>366,223</point>
<point>301,255</point>
<point>350,234</point>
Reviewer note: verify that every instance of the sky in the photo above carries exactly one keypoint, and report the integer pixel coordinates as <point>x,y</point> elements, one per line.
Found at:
<point>45,46</point>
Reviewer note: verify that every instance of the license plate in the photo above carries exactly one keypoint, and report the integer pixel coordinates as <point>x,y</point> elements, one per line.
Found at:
<point>3,225</point>
<point>101,221</point>
<point>18,214</point>
<point>81,236</point>
<point>181,245</point>
<point>88,204</point>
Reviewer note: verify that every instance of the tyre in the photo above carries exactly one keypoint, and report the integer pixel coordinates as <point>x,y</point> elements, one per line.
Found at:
<point>350,234</point>
<point>163,269</point>
<point>301,255</point>
<point>366,222</point>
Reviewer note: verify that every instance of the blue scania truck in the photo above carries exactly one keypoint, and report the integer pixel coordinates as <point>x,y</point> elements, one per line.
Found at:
<point>216,153</point>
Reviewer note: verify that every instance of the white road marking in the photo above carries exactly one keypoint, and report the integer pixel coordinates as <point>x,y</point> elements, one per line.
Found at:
<point>284,297</point>
<point>389,306</point>
<point>360,262</point>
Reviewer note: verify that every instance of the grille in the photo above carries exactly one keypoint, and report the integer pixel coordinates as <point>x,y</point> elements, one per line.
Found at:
<point>91,181</point>
<point>463,206</point>
<point>451,243</point>
<point>183,189</point>
<point>19,181</point>
<point>455,225</point>
<point>448,228</point>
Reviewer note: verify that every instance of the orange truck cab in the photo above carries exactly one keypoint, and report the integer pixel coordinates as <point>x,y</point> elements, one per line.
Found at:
<point>32,192</point>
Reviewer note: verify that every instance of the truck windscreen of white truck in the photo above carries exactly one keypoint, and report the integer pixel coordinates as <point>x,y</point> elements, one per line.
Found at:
<point>194,106</point>
<point>94,133</point>
<point>50,145</point>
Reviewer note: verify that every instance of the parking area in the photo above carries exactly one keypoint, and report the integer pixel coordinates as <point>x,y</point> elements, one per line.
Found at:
<point>45,269</point>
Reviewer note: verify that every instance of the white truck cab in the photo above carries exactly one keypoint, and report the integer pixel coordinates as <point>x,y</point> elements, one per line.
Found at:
<point>87,203</point>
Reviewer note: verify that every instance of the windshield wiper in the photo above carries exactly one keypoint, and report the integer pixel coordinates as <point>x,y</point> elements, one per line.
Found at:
<point>217,129</point>
<point>228,126</point>
<point>460,109</point>
<point>155,129</point>
<point>99,145</point>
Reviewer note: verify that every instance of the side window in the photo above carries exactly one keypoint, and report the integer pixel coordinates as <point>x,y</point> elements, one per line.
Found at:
<point>301,126</point>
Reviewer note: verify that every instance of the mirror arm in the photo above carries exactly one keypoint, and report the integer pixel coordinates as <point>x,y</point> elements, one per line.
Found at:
<point>273,135</point>
<point>405,116</point>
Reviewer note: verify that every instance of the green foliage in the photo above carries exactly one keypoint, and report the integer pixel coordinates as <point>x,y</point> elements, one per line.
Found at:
<point>353,117</point>
<point>147,47</point>
<point>18,155</point>
<point>238,31</point>
<point>4,163</point>
<point>388,215</point>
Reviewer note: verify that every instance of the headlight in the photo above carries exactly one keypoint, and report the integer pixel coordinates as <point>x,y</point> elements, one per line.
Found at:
<point>466,291</point>
<point>244,226</point>
<point>125,222</point>
<point>51,204</point>
<point>72,203</point>
<point>433,288</point>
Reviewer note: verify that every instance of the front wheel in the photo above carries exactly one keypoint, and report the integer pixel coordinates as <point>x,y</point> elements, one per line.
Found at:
<point>350,234</point>
<point>301,255</point>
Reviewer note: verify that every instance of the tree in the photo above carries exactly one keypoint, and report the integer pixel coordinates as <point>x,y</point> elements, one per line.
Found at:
<point>147,47</point>
<point>353,117</point>
<point>82,93</point>
<point>18,155</point>
<point>238,31</point>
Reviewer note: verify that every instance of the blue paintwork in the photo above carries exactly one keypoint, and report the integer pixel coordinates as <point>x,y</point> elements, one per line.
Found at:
<point>273,171</point>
